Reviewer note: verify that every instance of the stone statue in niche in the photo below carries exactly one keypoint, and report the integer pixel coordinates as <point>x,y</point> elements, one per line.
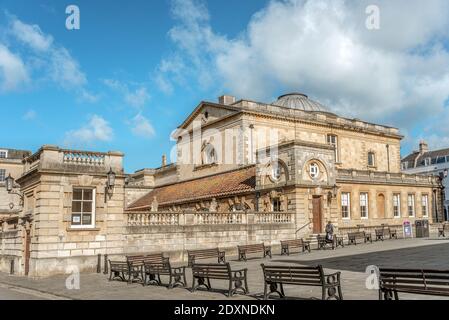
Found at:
<point>213,205</point>
<point>154,205</point>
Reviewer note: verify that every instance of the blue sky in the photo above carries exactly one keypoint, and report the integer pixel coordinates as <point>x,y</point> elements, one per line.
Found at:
<point>136,69</point>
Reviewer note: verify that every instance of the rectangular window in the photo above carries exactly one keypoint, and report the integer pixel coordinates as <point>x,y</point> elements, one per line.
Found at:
<point>333,141</point>
<point>2,175</point>
<point>411,205</point>
<point>345,205</point>
<point>397,205</point>
<point>83,208</point>
<point>276,205</point>
<point>364,205</point>
<point>371,159</point>
<point>3,154</point>
<point>425,205</point>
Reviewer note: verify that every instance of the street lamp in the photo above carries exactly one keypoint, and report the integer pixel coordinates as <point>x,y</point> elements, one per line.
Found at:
<point>9,184</point>
<point>110,183</point>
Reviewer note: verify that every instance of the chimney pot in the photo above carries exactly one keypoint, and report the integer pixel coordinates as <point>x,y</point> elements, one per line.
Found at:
<point>227,100</point>
<point>164,160</point>
<point>423,147</point>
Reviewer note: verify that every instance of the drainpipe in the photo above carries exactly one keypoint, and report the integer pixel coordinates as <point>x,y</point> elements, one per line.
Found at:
<point>388,157</point>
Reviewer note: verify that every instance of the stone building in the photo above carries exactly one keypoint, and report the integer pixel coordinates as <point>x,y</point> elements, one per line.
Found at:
<point>434,162</point>
<point>245,172</point>
<point>10,164</point>
<point>293,155</point>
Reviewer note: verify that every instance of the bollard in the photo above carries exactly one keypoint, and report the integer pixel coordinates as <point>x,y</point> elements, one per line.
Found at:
<point>11,269</point>
<point>99,263</point>
<point>105,264</point>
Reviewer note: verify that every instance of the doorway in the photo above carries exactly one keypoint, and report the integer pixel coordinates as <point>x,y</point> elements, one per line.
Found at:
<point>27,251</point>
<point>317,215</point>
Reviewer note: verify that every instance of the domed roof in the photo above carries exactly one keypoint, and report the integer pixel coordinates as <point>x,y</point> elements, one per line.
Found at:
<point>299,101</point>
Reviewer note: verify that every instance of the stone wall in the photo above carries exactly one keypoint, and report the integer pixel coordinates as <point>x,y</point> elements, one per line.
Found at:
<point>11,250</point>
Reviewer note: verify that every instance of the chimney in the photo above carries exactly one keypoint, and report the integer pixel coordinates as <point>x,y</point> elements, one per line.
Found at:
<point>164,160</point>
<point>423,147</point>
<point>226,100</point>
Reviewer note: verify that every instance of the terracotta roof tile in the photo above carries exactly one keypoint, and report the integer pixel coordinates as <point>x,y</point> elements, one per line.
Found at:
<point>223,184</point>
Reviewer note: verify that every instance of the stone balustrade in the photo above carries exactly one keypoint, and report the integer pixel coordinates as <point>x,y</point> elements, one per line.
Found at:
<point>84,157</point>
<point>374,176</point>
<point>153,219</point>
<point>143,219</point>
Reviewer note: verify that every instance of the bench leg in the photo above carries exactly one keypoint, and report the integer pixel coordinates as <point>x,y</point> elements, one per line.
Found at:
<point>177,278</point>
<point>242,255</point>
<point>267,252</point>
<point>284,250</point>
<point>201,282</point>
<point>273,289</point>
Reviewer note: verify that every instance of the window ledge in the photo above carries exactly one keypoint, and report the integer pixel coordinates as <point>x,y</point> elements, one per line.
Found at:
<point>82,229</point>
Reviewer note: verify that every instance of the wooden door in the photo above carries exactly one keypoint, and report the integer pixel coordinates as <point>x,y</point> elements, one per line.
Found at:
<point>27,251</point>
<point>317,219</point>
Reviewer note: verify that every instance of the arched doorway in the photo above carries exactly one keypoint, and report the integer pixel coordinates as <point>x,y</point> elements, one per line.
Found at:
<point>381,206</point>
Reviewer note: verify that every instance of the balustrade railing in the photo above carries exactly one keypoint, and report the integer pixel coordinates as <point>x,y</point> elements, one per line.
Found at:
<point>207,218</point>
<point>153,219</point>
<point>83,158</point>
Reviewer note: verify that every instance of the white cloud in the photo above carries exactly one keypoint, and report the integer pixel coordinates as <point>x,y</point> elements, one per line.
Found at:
<point>46,59</point>
<point>396,75</point>
<point>97,129</point>
<point>141,126</point>
<point>31,35</point>
<point>29,115</point>
<point>12,70</point>
<point>137,97</point>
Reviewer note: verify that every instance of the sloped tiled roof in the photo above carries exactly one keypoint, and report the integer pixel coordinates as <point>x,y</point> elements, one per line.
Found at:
<point>223,184</point>
<point>419,158</point>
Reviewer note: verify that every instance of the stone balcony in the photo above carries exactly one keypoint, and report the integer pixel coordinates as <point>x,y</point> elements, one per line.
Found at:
<point>53,158</point>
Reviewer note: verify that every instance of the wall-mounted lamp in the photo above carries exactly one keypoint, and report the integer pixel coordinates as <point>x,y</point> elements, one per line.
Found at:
<point>110,182</point>
<point>9,184</point>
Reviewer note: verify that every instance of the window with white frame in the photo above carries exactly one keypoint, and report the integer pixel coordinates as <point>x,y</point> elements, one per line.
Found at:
<point>397,205</point>
<point>425,205</point>
<point>3,154</point>
<point>314,171</point>
<point>345,205</point>
<point>411,205</point>
<point>2,175</point>
<point>364,205</point>
<point>83,208</point>
<point>333,141</point>
<point>371,159</point>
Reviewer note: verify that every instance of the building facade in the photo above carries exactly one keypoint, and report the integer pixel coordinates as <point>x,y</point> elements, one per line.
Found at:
<point>245,172</point>
<point>433,162</point>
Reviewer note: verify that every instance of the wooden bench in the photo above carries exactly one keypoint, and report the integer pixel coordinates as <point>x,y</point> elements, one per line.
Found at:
<point>443,229</point>
<point>253,248</point>
<point>194,255</point>
<point>323,242</point>
<point>381,232</point>
<point>359,235</point>
<point>276,276</point>
<point>118,270</point>
<point>203,273</point>
<point>415,281</point>
<point>286,245</point>
<point>135,268</point>
<point>156,265</point>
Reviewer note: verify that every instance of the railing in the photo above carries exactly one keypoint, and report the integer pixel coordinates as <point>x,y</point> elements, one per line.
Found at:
<point>273,217</point>
<point>83,158</point>
<point>207,218</point>
<point>218,218</point>
<point>153,219</point>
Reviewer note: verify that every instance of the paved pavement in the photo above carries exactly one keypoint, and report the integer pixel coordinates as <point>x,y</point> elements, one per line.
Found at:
<point>351,261</point>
